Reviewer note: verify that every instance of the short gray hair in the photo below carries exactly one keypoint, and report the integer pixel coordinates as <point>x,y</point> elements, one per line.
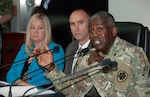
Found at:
<point>103,14</point>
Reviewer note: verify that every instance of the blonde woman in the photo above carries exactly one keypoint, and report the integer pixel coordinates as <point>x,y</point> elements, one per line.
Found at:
<point>27,71</point>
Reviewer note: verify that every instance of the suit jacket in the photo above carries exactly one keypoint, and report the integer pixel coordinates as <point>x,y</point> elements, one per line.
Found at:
<point>57,7</point>
<point>70,52</point>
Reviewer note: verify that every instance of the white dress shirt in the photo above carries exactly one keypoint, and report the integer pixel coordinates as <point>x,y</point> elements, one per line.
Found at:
<point>76,55</point>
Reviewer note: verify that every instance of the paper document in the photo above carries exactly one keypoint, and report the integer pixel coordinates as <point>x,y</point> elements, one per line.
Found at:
<point>3,83</point>
<point>18,91</point>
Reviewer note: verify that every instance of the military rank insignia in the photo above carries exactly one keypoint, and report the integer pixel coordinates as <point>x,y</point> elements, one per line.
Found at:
<point>122,76</point>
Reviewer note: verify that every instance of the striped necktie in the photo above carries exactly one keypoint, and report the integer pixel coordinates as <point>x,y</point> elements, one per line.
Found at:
<point>79,58</point>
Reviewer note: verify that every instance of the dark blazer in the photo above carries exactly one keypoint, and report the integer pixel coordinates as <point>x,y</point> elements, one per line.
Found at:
<point>1,45</point>
<point>57,7</point>
<point>70,52</point>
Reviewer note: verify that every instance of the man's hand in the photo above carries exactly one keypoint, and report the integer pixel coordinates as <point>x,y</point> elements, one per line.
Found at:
<point>94,57</point>
<point>44,59</point>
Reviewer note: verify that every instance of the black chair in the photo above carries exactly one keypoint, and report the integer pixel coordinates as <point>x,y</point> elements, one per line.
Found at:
<point>146,41</point>
<point>61,29</point>
<point>135,33</point>
<point>1,48</point>
<point>1,44</point>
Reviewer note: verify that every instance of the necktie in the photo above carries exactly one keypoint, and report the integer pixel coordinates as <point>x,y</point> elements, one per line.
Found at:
<point>79,58</point>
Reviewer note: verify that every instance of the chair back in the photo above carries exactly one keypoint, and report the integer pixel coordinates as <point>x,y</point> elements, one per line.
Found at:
<point>135,33</point>
<point>61,32</point>
<point>1,44</point>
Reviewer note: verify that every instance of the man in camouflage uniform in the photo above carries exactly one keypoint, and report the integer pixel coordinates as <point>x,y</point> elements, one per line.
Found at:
<point>128,77</point>
<point>6,13</point>
<point>131,76</point>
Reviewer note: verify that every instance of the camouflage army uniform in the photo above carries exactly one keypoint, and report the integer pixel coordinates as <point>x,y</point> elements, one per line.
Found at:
<point>78,86</point>
<point>6,7</point>
<point>130,79</point>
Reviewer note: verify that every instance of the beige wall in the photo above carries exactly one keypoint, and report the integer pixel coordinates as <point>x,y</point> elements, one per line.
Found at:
<point>131,10</point>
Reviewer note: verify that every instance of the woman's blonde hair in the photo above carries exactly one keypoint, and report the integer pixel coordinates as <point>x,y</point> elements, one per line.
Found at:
<point>28,41</point>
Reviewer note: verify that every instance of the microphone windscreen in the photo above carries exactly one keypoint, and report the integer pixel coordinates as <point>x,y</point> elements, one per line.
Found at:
<point>56,49</point>
<point>106,62</point>
<point>114,64</point>
<point>106,65</point>
<point>10,48</point>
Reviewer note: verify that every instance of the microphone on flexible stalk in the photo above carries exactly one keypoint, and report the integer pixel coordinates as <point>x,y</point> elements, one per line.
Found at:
<point>54,49</point>
<point>105,66</point>
<point>81,53</point>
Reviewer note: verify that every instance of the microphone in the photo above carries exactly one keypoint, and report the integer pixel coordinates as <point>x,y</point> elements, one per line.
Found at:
<point>9,48</point>
<point>54,49</point>
<point>105,63</point>
<point>81,53</point>
<point>84,51</point>
<point>105,66</point>
<point>101,65</point>
<point>109,65</point>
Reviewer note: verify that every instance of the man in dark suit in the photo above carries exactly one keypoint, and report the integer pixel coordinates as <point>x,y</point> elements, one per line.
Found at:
<point>79,25</point>
<point>55,6</point>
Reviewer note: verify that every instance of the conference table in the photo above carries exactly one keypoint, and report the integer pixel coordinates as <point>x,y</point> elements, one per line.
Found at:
<point>7,90</point>
<point>49,95</point>
<point>46,95</point>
